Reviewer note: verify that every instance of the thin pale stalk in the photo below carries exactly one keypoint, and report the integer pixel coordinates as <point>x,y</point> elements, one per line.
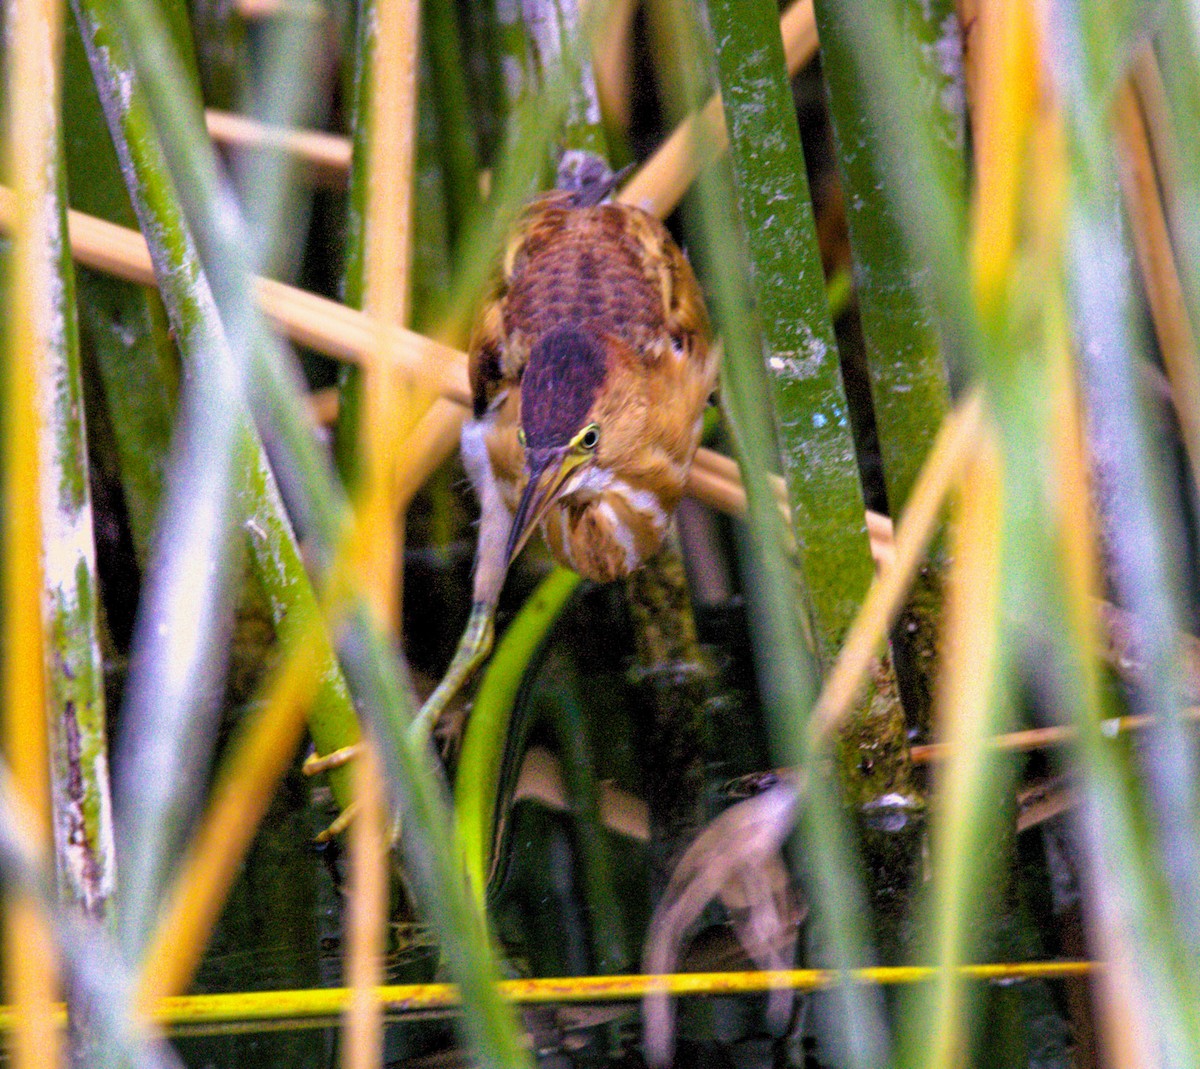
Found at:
<point>325,156</point>
<point>1136,502</point>
<point>1126,1015</point>
<point>368,891</point>
<point>968,712</point>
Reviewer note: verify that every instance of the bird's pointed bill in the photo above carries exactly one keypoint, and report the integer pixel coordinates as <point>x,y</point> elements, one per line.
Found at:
<point>548,471</point>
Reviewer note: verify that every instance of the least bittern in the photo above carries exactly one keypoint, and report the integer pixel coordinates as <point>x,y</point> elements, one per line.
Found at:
<point>590,369</point>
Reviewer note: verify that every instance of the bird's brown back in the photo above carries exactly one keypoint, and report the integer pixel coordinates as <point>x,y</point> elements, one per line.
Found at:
<point>610,269</point>
<point>583,266</point>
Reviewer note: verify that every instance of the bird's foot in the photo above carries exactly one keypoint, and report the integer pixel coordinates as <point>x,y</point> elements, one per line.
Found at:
<point>315,764</point>
<point>339,825</point>
<point>448,733</point>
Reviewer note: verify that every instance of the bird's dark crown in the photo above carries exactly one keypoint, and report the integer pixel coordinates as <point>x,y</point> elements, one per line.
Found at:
<point>565,372</point>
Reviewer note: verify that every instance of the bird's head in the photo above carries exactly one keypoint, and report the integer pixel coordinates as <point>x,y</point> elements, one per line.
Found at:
<point>564,412</point>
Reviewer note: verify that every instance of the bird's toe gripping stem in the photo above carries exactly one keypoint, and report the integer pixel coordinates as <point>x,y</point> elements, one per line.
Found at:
<point>315,763</point>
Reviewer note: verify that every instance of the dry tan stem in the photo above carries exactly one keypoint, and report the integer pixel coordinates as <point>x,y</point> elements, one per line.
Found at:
<point>393,400</point>
<point>662,180</point>
<point>952,447</point>
<point>326,156</point>
<point>1164,290</point>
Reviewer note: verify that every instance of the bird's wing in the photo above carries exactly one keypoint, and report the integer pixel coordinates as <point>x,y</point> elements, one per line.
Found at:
<point>494,364</point>
<point>684,315</point>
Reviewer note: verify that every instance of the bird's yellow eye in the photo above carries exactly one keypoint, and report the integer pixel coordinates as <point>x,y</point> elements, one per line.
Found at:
<point>588,438</point>
<point>521,436</point>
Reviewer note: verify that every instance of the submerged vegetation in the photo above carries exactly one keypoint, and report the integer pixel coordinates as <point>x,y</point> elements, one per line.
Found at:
<point>886,758</point>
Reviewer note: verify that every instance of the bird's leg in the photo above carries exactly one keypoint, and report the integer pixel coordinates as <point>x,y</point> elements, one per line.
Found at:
<point>491,566</point>
<point>473,648</point>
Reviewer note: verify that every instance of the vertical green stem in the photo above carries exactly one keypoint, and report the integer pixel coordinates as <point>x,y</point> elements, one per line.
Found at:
<point>802,360</point>
<point>451,100</point>
<point>83,831</point>
<point>346,436</point>
<point>677,685</point>
<point>909,385</point>
<point>904,353</point>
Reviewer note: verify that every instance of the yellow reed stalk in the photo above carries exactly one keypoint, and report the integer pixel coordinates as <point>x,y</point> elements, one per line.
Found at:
<point>1004,108</point>
<point>33,51</point>
<point>954,444</point>
<point>367,917</point>
<point>1152,242</point>
<point>1005,104</point>
<point>964,705</point>
<point>328,1002</point>
<point>392,403</point>
<point>319,1004</point>
<point>261,755</point>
